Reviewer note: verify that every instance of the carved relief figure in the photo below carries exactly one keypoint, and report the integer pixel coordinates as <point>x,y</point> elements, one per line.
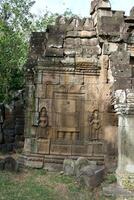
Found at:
<point>94,125</point>
<point>43,123</point>
<point>43,118</point>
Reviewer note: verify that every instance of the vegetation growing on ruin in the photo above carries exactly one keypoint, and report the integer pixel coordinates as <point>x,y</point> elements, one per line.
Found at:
<point>38,184</point>
<point>16,24</point>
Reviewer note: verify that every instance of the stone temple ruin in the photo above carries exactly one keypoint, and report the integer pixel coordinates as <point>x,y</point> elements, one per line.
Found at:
<point>80,73</point>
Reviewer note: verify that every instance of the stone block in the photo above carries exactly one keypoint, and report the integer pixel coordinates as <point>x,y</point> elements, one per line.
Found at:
<point>55,40</point>
<point>49,91</point>
<point>73,80</point>
<point>10,164</point>
<point>81,163</point>
<point>71,52</point>
<point>69,167</point>
<point>89,149</point>
<point>121,70</point>
<point>79,150</point>
<point>110,27</point>
<point>109,119</point>
<point>35,118</point>
<point>116,191</point>
<point>88,24</point>
<point>62,94</point>
<point>60,149</point>
<point>119,83</point>
<point>86,61</point>
<point>108,48</point>
<point>89,42</point>
<point>69,42</point>
<point>93,94</point>
<point>88,51</point>
<point>94,4</point>
<point>67,134</point>
<point>103,12</point>
<point>91,105</point>
<point>98,149</point>
<point>91,177</point>
<point>104,4</point>
<point>43,146</point>
<point>34,162</point>
<point>68,61</point>
<point>82,34</point>
<point>36,105</point>
<point>120,58</point>
<point>54,52</point>
<point>51,78</point>
<point>75,23</point>
<point>130,49</point>
<point>38,78</point>
<point>66,105</point>
<point>132,12</point>
<point>67,120</point>
<point>33,145</point>
<point>41,90</point>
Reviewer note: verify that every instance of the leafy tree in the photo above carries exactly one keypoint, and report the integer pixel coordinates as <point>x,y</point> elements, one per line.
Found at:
<point>16,25</point>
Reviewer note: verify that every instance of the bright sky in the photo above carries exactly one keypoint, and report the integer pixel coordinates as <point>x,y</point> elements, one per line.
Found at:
<point>79,7</point>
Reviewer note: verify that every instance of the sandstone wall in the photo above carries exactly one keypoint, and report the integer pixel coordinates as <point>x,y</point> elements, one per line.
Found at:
<point>72,70</point>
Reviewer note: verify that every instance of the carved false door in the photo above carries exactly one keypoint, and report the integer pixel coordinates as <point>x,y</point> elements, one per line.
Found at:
<point>68,118</point>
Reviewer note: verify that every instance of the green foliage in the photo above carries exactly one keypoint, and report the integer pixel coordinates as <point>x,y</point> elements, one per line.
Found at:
<point>16,25</point>
<point>37,184</point>
<point>110,178</point>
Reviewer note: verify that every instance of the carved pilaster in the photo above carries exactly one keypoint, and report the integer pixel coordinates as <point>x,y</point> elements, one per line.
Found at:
<point>124,107</point>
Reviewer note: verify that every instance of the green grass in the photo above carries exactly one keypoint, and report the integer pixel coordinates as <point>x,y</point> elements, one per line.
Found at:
<point>42,185</point>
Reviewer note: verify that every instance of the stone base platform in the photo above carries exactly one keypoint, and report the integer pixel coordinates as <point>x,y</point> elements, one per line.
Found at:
<point>118,193</point>
<point>50,162</point>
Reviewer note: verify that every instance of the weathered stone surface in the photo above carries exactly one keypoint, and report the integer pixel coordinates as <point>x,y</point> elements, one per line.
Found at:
<point>69,42</point>
<point>110,27</point>
<point>68,61</point>
<point>88,24</point>
<point>120,57</point>
<point>69,167</point>
<point>118,192</point>
<point>119,83</point>
<point>124,106</point>
<point>81,34</point>
<point>132,12</point>
<point>71,76</point>
<point>12,123</point>
<point>90,42</point>
<point>104,4</point>
<point>54,52</point>
<point>88,51</point>
<point>108,48</point>
<point>36,163</point>
<point>77,24</point>
<point>61,149</point>
<point>91,176</point>
<point>90,61</point>
<point>82,163</point>
<point>9,164</point>
<point>130,49</point>
<point>43,146</point>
